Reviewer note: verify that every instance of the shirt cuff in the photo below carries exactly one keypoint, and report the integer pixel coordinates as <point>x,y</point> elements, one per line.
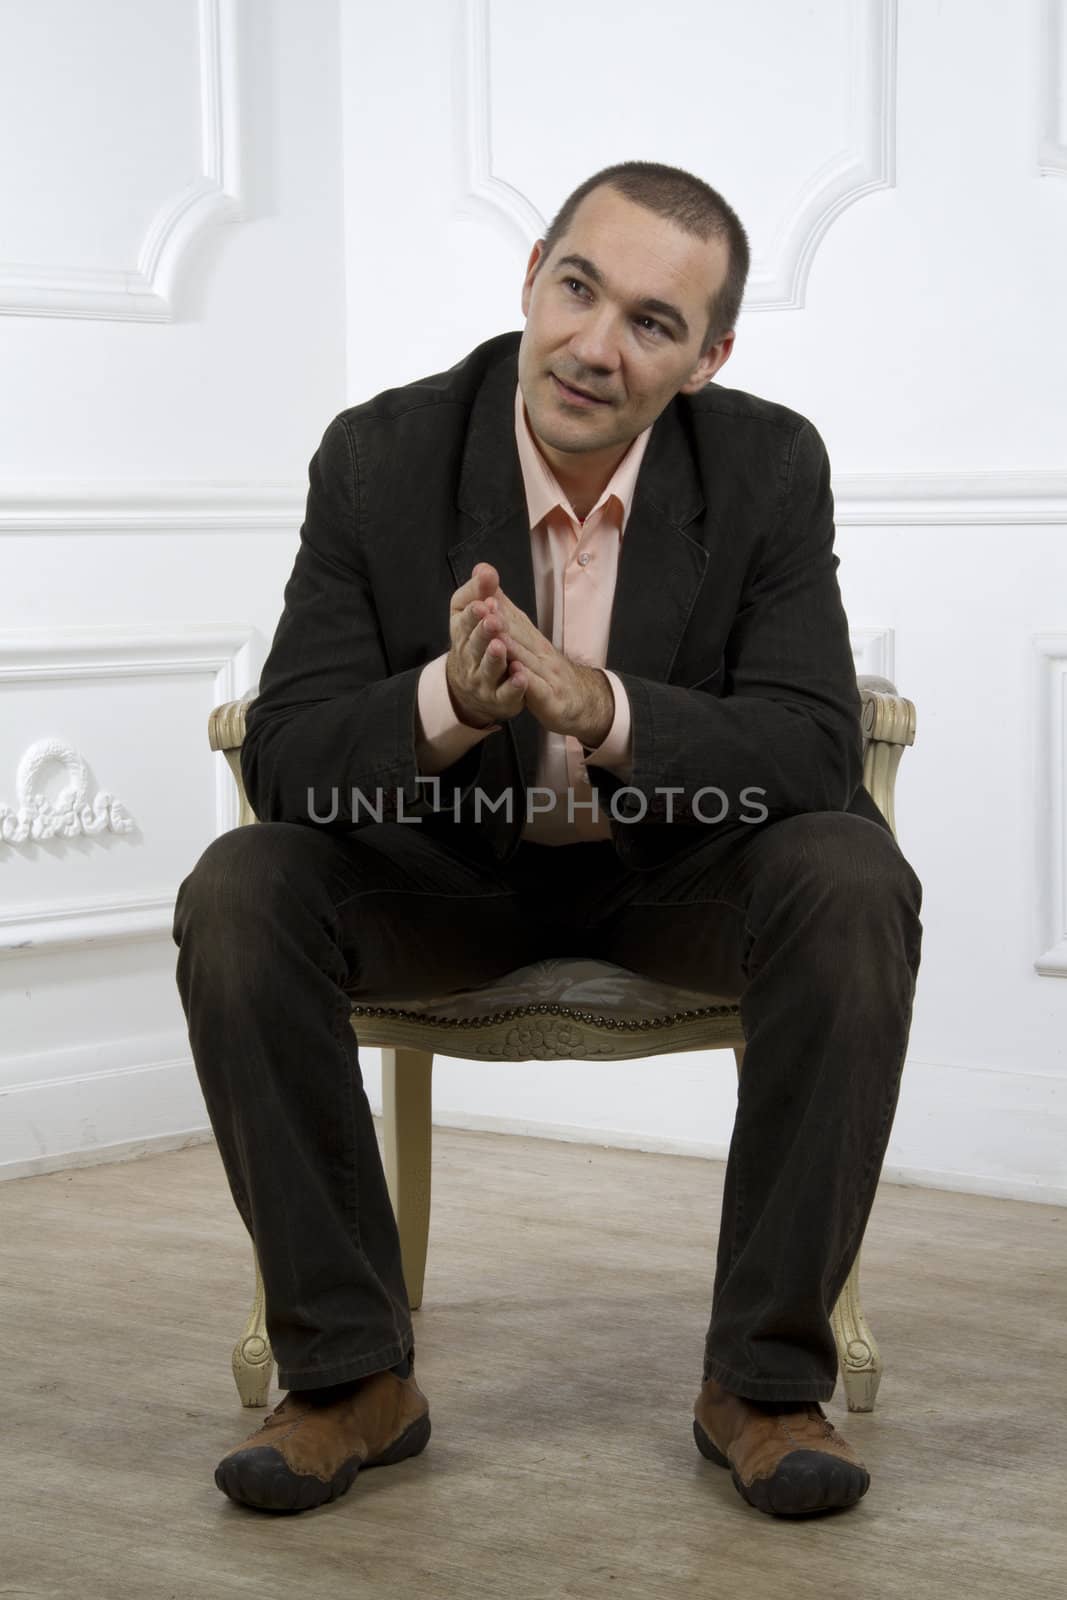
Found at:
<point>444,738</point>
<point>615,754</point>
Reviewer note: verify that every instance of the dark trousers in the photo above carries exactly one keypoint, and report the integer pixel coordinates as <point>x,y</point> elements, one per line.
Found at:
<point>812,921</point>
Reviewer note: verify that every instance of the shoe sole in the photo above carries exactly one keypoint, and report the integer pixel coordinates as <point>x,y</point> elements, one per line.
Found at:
<point>260,1478</point>
<point>805,1481</point>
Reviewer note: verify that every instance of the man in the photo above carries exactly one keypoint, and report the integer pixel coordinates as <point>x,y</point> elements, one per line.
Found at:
<point>563,667</point>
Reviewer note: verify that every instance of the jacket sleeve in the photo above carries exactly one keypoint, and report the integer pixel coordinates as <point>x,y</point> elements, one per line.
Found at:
<point>779,726</point>
<point>330,738</point>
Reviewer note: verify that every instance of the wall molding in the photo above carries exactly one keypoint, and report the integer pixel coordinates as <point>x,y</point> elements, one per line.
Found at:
<point>967,499</point>
<point>145,292</point>
<point>49,655</point>
<point>115,920</point>
<point>1052,49</point>
<point>125,506</point>
<point>1051,802</point>
<point>865,163</point>
<point>872,651</point>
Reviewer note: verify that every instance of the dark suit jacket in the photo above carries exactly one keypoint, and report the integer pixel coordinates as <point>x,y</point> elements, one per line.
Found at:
<point>727,626</point>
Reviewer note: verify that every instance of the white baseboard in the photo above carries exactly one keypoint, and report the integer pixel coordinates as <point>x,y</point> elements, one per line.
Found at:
<point>1004,1188</point>
<point>64,1114</point>
<point>104,1155</point>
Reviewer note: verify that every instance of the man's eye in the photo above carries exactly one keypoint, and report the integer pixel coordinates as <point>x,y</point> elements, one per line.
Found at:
<point>658,326</point>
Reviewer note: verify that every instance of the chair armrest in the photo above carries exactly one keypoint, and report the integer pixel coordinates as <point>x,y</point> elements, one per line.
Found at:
<point>226,724</point>
<point>888,722</point>
<point>225,732</point>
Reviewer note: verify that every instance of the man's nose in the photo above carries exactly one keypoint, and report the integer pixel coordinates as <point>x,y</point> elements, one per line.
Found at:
<point>595,345</point>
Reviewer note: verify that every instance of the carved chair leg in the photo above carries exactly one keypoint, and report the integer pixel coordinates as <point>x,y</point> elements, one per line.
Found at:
<point>857,1354</point>
<point>253,1359</point>
<point>407,1136</point>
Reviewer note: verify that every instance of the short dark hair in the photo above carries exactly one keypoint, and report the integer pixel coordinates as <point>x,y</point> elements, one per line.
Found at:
<point>691,205</point>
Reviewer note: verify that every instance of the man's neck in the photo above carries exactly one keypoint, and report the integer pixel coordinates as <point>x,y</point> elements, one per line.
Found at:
<point>583,490</point>
<point>583,493</point>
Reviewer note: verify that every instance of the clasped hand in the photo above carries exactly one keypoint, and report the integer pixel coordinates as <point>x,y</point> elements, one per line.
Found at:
<point>500,661</point>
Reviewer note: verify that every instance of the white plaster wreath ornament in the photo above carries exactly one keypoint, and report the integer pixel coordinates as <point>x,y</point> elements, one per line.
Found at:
<point>36,817</point>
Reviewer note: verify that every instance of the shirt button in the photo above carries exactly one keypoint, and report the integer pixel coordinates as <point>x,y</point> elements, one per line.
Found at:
<point>583,559</point>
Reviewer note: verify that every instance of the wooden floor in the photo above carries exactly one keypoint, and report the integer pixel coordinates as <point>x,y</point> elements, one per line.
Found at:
<point>560,1342</point>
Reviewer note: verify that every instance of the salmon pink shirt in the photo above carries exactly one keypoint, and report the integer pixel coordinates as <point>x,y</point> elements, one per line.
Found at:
<point>575,565</point>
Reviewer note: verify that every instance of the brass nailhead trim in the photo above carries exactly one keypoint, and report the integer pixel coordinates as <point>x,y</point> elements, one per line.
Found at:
<point>631,1025</point>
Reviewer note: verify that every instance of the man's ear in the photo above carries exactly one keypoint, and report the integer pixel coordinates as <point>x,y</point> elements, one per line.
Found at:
<point>536,255</point>
<point>709,365</point>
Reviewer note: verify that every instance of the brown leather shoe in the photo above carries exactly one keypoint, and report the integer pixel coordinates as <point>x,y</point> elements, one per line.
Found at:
<point>788,1463</point>
<point>306,1454</point>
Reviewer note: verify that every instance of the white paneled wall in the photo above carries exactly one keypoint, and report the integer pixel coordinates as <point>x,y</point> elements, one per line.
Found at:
<point>170,192</point>
<point>268,211</point>
<point>900,169</point>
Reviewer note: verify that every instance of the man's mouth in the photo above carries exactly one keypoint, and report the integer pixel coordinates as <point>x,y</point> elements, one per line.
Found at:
<point>580,394</point>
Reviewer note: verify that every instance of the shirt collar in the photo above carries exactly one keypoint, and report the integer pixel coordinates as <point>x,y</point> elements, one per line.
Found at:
<point>543,491</point>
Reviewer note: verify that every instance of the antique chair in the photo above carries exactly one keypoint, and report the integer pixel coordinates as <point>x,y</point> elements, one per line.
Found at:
<point>569,1008</point>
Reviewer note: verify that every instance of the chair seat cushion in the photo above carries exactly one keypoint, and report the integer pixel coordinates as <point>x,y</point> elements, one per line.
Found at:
<point>567,983</point>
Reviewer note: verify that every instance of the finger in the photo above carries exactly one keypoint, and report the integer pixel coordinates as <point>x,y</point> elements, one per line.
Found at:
<point>475,658</point>
<point>462,624</point>
<point>502,673</point>
<point>516,681</point>
<point>499,694</point>
<point>486,628</point>
<point>477,644</point>
<point>484,580</point>
<point>520,652</point>
<point>499,650</point>
<point>486,670</point>
<point>506,606</point>
<point>517,623</point>
<point>511,690</point>
<point>493,665</point>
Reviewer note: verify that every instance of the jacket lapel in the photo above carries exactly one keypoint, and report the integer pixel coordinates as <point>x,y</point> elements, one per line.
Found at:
<point>661,567</point>
<point>493,524</point>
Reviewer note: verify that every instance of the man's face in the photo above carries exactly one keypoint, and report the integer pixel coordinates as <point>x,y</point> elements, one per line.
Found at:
<point>599,337</point>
